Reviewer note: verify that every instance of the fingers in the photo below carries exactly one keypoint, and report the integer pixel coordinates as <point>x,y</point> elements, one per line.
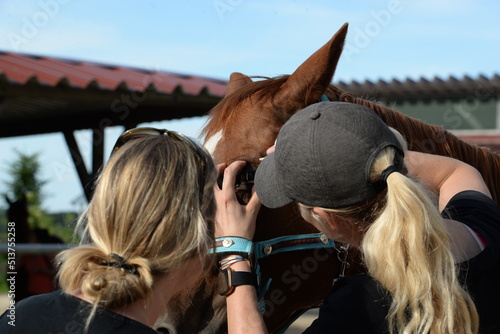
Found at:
<point>254,203</point>
<point>220,168</point>
<point>232,218</point>
<point>271,149</point>
<point>220,172</point>
<point>230,173</point>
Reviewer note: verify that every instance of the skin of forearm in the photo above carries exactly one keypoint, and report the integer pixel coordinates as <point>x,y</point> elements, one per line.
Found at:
<point>443,175</point>
<point>243,314</point>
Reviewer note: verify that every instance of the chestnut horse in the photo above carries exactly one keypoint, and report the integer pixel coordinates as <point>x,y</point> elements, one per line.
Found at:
<point>241,127</point>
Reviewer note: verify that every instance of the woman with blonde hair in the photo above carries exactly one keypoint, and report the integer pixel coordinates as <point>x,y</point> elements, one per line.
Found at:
<point>148,231</point>
<point>426,226</point>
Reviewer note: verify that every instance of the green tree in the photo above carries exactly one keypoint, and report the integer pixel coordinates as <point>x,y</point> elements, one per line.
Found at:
<point>26,181</point>
<point>25,178</point>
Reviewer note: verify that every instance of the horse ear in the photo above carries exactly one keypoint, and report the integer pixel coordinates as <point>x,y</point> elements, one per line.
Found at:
<point>236,81</point>
<point>312,78</point>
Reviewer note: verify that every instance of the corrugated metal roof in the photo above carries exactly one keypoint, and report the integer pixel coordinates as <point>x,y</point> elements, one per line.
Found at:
<point>40,94</point>
<point>423,89</point>
<point>22,69</point>
<point>47,71</point>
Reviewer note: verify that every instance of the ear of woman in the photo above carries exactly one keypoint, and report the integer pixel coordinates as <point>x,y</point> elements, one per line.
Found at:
<point>336,228</point>
<point>325,222</point>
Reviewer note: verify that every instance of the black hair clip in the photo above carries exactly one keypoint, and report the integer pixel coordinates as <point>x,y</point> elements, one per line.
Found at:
<point>120,263</point>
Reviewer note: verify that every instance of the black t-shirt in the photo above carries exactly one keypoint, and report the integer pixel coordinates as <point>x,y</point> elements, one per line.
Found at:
<point>57,313</point>
<point>359,304</point>
<point>481,274</point>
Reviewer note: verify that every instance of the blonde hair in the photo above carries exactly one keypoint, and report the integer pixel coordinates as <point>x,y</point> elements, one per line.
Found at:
<point>146,209</point>
<point>406,248</point>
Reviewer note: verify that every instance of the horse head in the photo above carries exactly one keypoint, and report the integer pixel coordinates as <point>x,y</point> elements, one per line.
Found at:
<point>253,112</point>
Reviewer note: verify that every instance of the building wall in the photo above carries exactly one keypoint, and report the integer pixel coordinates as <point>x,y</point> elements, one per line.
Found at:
<point>475,121</point>
<point>454,114</point>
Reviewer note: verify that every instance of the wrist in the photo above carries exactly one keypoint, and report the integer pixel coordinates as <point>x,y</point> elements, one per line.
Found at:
<point>230,260</point>
<point>231,246</point>
<point>242,266</point>
<point>230,279</point>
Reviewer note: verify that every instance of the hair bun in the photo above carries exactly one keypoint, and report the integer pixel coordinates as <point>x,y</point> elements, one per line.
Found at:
<point>116,283</point>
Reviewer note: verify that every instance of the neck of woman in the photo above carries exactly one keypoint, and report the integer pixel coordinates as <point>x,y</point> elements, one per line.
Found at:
<point>145,310</point>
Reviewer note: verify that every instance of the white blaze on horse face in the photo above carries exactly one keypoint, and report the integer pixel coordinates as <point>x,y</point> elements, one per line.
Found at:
<point>211,143</point>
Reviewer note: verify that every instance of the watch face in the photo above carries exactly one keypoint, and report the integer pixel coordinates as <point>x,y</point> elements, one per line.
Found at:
<point>225,284</point>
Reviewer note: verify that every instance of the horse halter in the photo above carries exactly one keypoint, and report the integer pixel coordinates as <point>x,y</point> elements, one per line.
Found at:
<point>257,250</point>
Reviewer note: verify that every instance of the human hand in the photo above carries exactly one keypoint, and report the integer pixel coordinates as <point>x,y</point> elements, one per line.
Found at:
<point>232,218</point>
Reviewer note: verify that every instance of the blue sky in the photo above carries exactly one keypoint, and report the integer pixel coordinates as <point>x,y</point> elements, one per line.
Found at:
<point>387,39</point>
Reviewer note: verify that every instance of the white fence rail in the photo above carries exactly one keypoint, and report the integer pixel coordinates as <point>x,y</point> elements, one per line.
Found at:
<point>34,248</point>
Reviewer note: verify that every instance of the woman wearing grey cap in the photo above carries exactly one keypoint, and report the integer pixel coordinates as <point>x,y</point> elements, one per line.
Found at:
<point>426,225</point>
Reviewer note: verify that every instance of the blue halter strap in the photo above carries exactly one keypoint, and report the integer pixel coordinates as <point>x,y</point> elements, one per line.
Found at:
<point>255,251</point>
<point>324,98</point>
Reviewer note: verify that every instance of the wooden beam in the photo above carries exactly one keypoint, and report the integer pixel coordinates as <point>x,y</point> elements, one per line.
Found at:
<point>77,158</point>
<point>97,150</point>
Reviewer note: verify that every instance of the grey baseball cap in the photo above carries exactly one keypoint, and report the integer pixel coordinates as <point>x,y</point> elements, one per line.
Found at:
<point>323,157</point>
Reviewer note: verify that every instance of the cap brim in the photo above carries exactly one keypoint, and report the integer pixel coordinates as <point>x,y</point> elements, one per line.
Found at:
<point>269,184</point>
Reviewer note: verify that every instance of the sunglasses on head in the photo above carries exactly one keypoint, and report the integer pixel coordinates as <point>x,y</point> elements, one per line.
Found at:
<point>192,144</point>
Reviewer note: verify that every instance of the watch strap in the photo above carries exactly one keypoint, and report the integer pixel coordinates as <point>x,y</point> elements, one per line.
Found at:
<point>244,278</point>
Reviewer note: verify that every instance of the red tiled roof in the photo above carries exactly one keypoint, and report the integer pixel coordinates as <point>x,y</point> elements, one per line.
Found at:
<point>47,71</point>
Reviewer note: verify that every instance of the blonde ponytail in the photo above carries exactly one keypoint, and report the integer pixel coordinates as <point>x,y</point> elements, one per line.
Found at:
<point>407,250</point>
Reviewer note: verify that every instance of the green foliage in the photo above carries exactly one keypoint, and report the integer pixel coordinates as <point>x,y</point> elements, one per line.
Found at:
<point>27,183</point>
<point>64,225</point>
<point>25,178</point>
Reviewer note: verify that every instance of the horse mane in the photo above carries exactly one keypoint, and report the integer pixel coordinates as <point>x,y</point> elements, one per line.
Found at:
<point>435,139</point>
<point>225,110</point>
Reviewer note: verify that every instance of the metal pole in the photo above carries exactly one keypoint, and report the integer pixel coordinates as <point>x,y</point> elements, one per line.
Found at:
<point>35,248</point>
